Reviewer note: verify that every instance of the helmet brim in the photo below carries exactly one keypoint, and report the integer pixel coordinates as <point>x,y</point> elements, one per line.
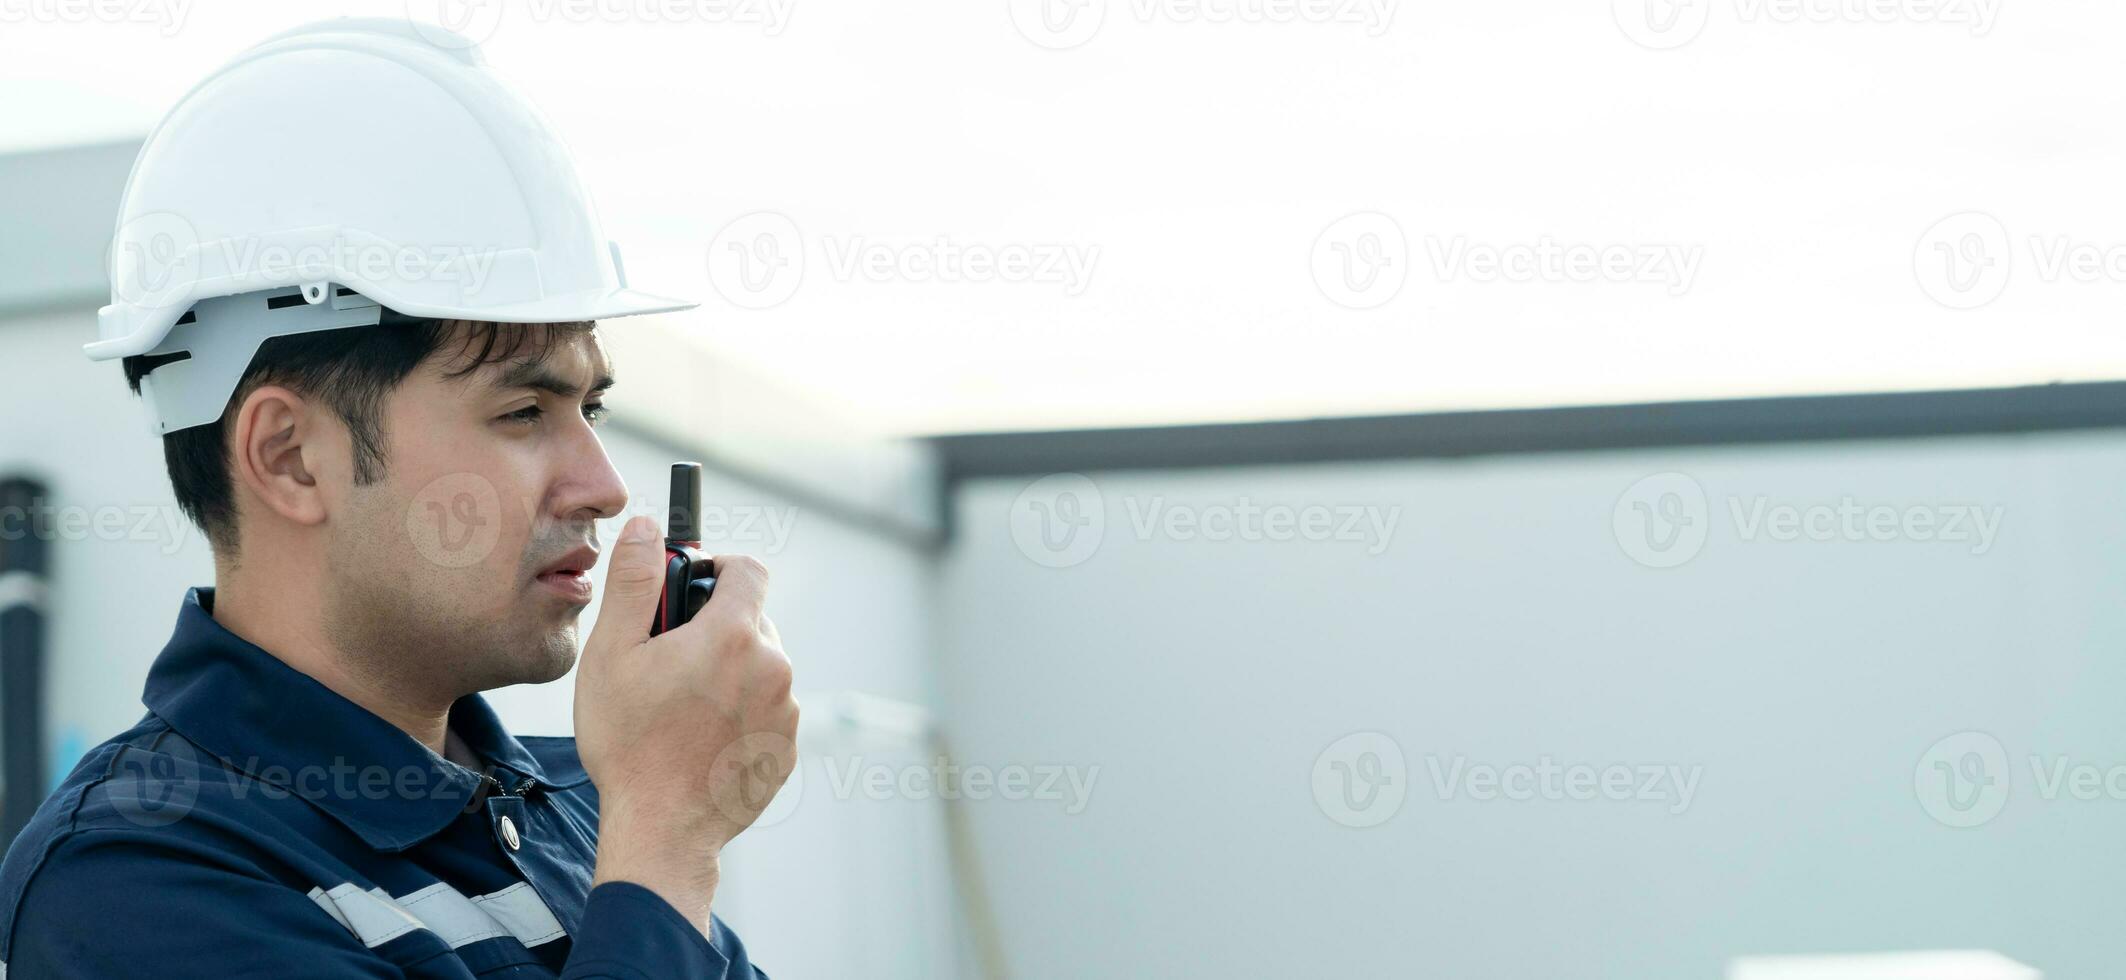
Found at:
<point>589,304</point>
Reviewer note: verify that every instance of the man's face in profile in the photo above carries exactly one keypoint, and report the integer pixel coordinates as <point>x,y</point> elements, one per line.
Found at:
<point>468,563</point>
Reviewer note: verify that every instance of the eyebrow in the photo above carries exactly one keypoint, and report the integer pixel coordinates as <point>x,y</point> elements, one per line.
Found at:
<point>536,375</point>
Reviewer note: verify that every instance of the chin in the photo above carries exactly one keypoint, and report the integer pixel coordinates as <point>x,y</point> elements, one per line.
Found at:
<point>535,658</point>
<point>557,653</point>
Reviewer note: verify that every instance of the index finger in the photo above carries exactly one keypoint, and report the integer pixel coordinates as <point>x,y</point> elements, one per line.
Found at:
<point>741,587</point>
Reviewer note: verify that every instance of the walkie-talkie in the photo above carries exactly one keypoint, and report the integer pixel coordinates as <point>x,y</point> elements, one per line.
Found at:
<point>689,575</point>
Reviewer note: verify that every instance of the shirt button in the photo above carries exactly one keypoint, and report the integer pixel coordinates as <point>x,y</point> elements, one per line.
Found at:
<point>509,834</point>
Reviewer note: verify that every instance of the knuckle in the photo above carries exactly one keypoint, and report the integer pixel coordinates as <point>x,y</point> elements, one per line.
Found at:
<point>749,567</point>
<point>731,641</point>
<point>775,680</point>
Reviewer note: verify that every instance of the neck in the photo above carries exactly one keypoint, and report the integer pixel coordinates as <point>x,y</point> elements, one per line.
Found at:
<point>276,613</point>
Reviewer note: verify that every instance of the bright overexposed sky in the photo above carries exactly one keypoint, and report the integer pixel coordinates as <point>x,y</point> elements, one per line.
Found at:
<point>1555,201</point>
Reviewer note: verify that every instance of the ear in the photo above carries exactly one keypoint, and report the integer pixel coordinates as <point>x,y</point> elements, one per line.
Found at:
<point>278,449</point>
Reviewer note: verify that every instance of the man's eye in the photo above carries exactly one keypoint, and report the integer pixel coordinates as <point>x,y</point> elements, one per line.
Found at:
<point>531,414</point>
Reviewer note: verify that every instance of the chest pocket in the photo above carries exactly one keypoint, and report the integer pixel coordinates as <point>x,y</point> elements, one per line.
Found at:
<point>437,932</point>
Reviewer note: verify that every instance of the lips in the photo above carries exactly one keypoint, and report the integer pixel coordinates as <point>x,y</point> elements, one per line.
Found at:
<point>569,575</point>
<point>577,562</point>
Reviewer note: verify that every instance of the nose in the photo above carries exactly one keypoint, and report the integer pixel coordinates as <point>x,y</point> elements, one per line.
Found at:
<point>590,489</point>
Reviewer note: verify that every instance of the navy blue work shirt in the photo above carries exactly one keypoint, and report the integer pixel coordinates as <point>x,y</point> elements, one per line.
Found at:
<point>256,824</point>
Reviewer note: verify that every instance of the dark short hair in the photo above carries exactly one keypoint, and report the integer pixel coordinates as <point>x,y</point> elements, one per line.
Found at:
<point>351,369</point>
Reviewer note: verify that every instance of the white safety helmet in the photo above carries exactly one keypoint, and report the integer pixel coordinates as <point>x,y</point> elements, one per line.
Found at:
<point>332,173</point>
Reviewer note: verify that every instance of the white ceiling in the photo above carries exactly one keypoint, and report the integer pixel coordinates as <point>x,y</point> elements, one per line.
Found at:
<point>1799,156</point>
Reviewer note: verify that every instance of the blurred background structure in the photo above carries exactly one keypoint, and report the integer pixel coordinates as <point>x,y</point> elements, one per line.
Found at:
<point>1229,525</point>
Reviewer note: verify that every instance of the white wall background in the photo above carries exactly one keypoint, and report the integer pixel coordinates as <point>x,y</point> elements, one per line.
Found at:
<point>1502,624</point>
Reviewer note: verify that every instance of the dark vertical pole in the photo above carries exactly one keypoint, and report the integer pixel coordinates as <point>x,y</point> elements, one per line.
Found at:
<point>25,565</point>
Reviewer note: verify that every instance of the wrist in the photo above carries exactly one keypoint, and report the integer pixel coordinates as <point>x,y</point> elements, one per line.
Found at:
<point>681,865</point>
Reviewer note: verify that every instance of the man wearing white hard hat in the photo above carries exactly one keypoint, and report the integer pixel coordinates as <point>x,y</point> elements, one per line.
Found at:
<point>356,280</point>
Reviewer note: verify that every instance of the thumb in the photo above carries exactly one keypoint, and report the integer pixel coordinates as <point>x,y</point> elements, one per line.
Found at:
<point>633,578</point>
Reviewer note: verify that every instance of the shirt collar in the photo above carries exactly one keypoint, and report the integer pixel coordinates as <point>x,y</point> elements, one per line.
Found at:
<point>278,724</point>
